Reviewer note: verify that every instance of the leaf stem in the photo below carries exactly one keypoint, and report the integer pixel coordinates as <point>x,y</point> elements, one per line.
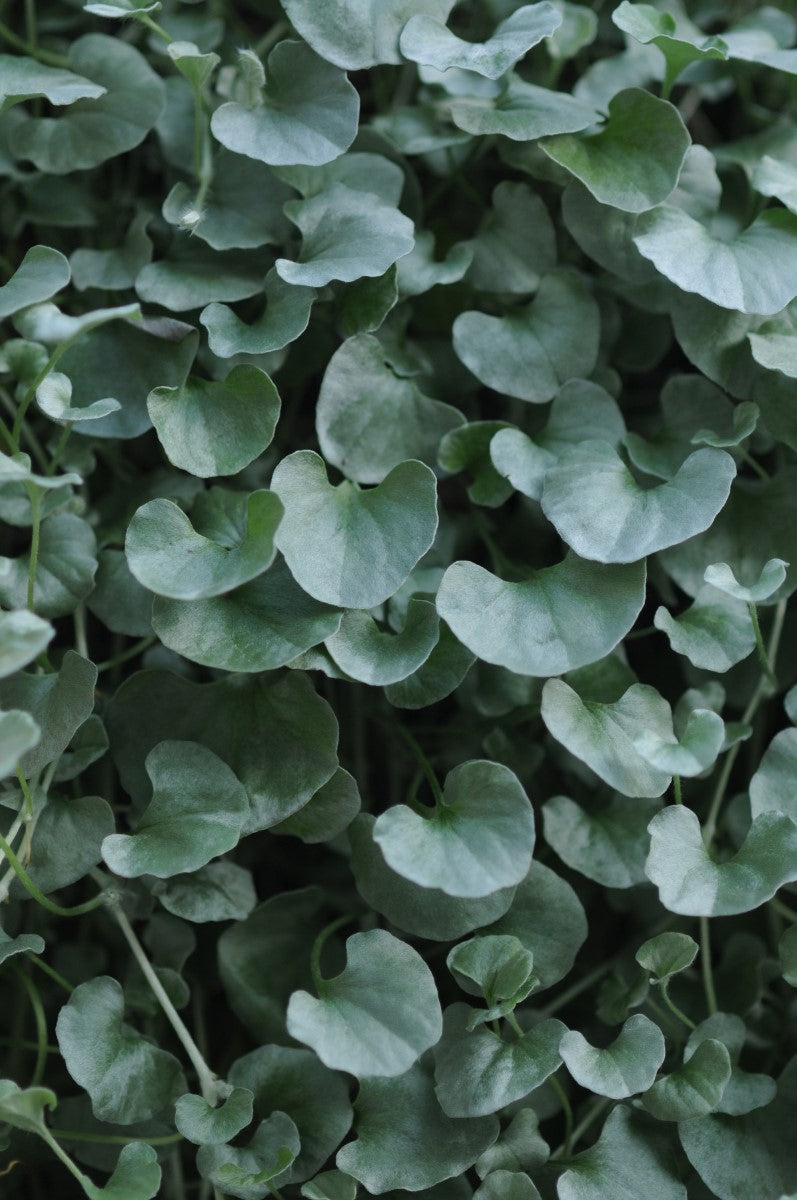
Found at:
<point>277,31</point>
<point>318,946</point>
<point>41,1024</point>
<point>705,966</point>
<point>783,909</point>
<point>115,1139</point>
<point>35,504</point>
<point>567,1112</point>
<point>676,789</point>
<point>60,446</point>
<point>51,971</point>
<point>760,647</point>
<point>423,761</point>
<point>45,56</point>
<point>208,1080</point>
<point>673,1007</point>
<point>131,652</point>
<point>56,909</point>
<point>147,20</point>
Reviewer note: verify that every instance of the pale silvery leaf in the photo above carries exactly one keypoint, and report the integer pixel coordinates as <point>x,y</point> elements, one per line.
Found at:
<point>770,580</point>
<point>58,703</point>
<point>695,1088</point>
<point>667,954</point>
<point>478,840</point>
<point>216,428</point>
<point>515,244</point>
<point>419,271</point>
<point>772,785</point>
<point>283,320</point>
<point>426,40</point>
<point>221,891</point>
<point>366,653</point>
<point>243,209</point>
<point>714,633</point>
<point>772,345</point>
<point>247,1172</point>
<point>105,1056</point>
<point>19,733</point>
<point>196,813</point>
<point>193,275</point>
<point>259,626</point>
<point>307,112</point>
<point>114,270</point>
<point>647,25</point>
<point>369,418</point>
<point>201,1124</point>
<point>93,130</point>
<point>328,813</point>
<point>547,624</point>
<point>23,636</point>
<point>624,1068</point>
<point>359,33</point>
<point>689,753</point>
<point>348,547</point>
<point>41,274</point>
<point>692,883</point>
<point>346,234</point>
<point>378,1016</point>
<point>26,79</point>
<point>629,1158</point>
<point>167,555</point>
<point>478,1073</point>
<point>495,966</point>
<point>394,1114</point>
<point>606,842</point>
<point>599,509</point>
<point>531,352</point>
<point>54,396</point>
<point>522,112</point>
<point>547,917</point>
<point>359,171</point>
<point>751,273</point>
<point>634,160</point>
<point>67,563</point>
<point>604,736</point>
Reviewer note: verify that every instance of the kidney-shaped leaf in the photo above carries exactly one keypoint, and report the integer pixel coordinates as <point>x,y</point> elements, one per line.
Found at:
<point>532,351</point>
<point>695,1089</point>
<point>346,235</point>
<point>359,33</point>
<point>349,547</point>
<point>634,160</point>
<point>690,882</point>
<point>606,842</point>
<point>428,41</point>
<point>624,1068</point>
<point>127,1077</point>
<point>563,617</point>
<point>630,1158</point>
<point>599,509</point>
<point>41,274</point>
<point>26,79</point>
<point>168,556</point>
<point>23,636</point>
<point>197,811</point>
<point>284,318</point>
<point>367,653</point>
<point>247,1172</point>
<point>478,840</point>
<point>306,113</point>
<point>202,1124</point>
<point>405,1140</point>
<point>378,1016</point>
<point>216,428</point>
<point>771,578</point>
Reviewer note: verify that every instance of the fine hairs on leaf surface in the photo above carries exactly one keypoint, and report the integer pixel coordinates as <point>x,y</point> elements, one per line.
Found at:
<point>398,689</point>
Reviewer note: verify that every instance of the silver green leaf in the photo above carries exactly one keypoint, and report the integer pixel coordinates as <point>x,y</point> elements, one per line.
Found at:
<point>626,1067</point>
<point>427,40</point>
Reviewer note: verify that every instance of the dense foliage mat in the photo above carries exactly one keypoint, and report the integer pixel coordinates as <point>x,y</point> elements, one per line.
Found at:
<point>397,656</point>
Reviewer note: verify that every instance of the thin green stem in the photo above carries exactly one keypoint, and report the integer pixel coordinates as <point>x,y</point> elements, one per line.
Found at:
<point>30,22</point>
<point>115,1139</point>
<point>45,56</point>
<point>762,690</point>
<point>277,31</point>
<point>5,434</point>
<point>318,946</point>
<point>131,652</point>
<point>567,1112</point>
<point>676,789</point>
<point>208,1080</point>
<point>513,1023</point>
<point>41,1024</point>
<point>576,989</point>
<point>783,909</point>
<point>51,971</point>
<point>157,29</point>
<point>35,504</point>
<point>763,657</point>
<point>60,446</point>
<point>423,761</point>
<point>26,400</point>
<point>673,1007</point>
<point>79,622</point>
<point>705,966</point>
<point>583,1125</point>
<point>76,911</point>
<point>60,1153</point>
<point>755,466</point>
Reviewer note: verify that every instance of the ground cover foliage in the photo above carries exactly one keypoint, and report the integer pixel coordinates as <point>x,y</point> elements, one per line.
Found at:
<point>397,647</point>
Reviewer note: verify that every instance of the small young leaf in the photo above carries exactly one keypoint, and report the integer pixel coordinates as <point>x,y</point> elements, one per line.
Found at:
<point>714,633</point>
<point>695,1089</point>
<point>58,704</point>
<point>41,274</point>
<point>378,1016</point>
<point>624,1068</point>
<point>202,1124</point>
<point>247,1172</point>
<point>667,954</point>
<point>23,636</point>
<point>771,579</point>
<point>494,966</point>
<point>377,658</point>
<point>426,40</point>
<point>221,891</point>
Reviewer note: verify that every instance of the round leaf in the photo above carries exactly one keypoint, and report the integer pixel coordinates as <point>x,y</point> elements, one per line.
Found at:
<point>359,33</point>
<point>202,1124</point>
<point>695,1089</point>
<point>631,1156</point>
<point>667,954</point>
<point>41,274</point>
<point>372,656</point>
<point>606,842</point>
<point>624,1068</point>
<point>426,40</point>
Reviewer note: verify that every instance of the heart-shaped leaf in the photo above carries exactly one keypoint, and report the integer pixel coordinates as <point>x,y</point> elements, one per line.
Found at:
<point>532,351</point>
<point>58,704</point>
<point>772,785</point>
<point>770,580</point>
<point>548,623</point>
<point>689,753</point>
<point>348,547</point>
<point>247,1172</point>
<point>624,1068</point>
<point>346,235</point>
<point>516,242</point>
<point>23,943</point>
<point>216,428</point>
<point>202,1124</point>
<point>522,112</point>
<point>477,840</point>
<point>750,273</point>
<point>378,658</point>
<point>369,418</point>
<point>477,1073</point>
<point>41,274</point>
<point>127,1077</point>
<point>259,626</point>
<point>306,113</point>
<point>23,636</point>
<point>167,555</point>
<point>649,26</point>
<point>426,40</point>
<point>282,321</point>
<point>631,1155</point>
<point>599,509</point>
<point>392,1114</point>
<point>378,1016</point>
<point>54,397</point>
<point>606,842</point>
<point>495,966</point>
<point>667,954</point>
<point>692,883</point>
<point>695,1089</point>
<point>714,632</point>
<point>359,33</point>
<point>196,813</point>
